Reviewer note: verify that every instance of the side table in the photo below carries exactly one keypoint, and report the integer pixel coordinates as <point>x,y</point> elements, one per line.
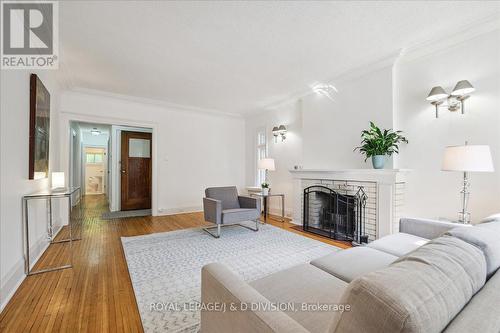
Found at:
<point>266,203</point>
<point>48,196</point>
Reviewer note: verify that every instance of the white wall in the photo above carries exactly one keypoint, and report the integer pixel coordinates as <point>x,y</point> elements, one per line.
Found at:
<point>322,132</point>
<point>14,182</point>
<point>332,128</point>
<point>191,150</point>
<point>394,97</point>
<point>95,140</point>
<point>287,154</point>
<point>433,193</point>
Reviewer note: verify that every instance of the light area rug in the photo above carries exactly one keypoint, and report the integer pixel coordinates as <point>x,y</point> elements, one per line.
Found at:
<point>165,268</point>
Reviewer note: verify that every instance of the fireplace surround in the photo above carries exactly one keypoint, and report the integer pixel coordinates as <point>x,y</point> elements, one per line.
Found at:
<point>385,189</point>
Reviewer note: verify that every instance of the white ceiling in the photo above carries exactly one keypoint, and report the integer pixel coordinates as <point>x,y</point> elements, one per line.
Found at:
<point>239,56</point>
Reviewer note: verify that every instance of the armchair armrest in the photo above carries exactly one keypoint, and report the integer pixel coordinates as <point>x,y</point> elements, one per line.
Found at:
<point>426,228</point>
<point>221,287</point>
<point>249,202</point>
<point>212,210</point>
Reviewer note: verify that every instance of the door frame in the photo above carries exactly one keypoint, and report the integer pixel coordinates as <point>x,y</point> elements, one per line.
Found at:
<point>142,135</point>
<point>67,117</point>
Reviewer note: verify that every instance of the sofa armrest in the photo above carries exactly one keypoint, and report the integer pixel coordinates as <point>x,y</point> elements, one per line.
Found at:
<point>249,202</point>
<point>212,210</point>
<point>426,228</point>
<point>222,288</point>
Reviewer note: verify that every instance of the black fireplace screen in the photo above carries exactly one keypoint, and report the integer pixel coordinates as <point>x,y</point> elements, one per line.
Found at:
<point>335,215</point>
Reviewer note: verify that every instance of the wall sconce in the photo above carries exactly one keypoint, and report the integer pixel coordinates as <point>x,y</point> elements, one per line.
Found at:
<point>279,131</point>
<point>455,100</point>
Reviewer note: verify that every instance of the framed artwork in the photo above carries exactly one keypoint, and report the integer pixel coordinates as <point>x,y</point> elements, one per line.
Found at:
<point>39,129</point>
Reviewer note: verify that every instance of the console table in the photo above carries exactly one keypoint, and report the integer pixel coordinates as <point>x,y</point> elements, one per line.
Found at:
<point>48,196</point>
<point>266,204</point>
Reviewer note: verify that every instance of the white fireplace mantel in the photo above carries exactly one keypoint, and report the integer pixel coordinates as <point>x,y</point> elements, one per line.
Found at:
<point>385,185</point>
<point>370,175</point>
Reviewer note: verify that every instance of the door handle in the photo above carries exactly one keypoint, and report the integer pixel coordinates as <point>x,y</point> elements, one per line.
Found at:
<point>124,171</point>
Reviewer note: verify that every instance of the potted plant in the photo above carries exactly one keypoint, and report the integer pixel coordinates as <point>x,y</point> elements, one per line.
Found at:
<point>265,188</point>
<point>379,144</point>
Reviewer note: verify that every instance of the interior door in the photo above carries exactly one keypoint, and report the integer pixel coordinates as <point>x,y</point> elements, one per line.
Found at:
<point>135,170</point>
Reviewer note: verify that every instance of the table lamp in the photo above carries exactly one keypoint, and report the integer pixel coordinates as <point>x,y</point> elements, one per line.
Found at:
<point>266,164</point>
<point>57,180</point>
<point>466,159</point>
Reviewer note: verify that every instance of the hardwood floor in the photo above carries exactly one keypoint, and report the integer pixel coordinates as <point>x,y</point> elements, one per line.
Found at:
<point>96,295</point>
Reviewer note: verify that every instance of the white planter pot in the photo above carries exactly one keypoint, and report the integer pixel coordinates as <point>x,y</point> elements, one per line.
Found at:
<point>265,191</point>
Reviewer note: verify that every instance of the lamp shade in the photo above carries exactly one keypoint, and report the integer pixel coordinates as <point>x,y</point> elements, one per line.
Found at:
<point>436,94</point>
<point>468,158</point>
<point>57,179</point>
<point>463,87</point>
<point>266,164</point>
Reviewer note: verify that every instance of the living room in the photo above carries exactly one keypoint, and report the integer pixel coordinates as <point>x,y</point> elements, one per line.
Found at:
<point>262,115</point>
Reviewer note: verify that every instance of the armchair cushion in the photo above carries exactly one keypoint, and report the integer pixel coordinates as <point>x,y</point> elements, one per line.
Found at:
<point>228,196</point>
<point>239,215</point>
<point>249,202</point>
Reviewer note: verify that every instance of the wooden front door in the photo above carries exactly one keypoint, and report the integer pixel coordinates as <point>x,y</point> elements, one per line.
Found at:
<point>135,170</point>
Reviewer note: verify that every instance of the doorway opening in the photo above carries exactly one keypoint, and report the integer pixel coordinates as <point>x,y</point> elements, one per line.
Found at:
<point>113,160</point>
<point>95,170</point>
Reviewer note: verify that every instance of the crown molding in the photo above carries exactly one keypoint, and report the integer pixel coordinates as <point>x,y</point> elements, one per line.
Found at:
<point>450,39</point>
<point>153,102</point>
<point>407,54</point>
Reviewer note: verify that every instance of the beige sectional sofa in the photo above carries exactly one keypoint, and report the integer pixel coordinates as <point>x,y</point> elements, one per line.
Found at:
<point>431,277</point>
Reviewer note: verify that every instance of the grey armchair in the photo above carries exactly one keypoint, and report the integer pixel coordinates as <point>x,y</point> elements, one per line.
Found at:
<point>223,207</point>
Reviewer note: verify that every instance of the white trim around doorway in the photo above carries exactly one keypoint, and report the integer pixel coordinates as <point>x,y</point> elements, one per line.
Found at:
<point>67,117</point>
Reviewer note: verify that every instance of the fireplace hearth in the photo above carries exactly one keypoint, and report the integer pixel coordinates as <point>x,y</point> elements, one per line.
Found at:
<point>335,215</point>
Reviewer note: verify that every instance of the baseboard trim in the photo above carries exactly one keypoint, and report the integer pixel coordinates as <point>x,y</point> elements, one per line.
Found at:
<point>16,276</point>
<point>181,210</point>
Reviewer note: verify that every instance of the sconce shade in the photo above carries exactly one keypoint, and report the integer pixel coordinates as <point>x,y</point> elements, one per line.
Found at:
<point>282,129</point>
<point>463,87</point>
<point>436,94</point>
<point>468,158</point>
<point>275,130</point>
<point>266,164</point>
<point>57,179</point>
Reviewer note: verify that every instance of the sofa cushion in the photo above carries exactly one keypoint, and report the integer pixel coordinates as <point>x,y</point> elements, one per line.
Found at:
<point>492,226</point>
<point>303,284</point>
<point>491,218</point>
<point>484,239</point>
<point>420,292</point>
<point>239,215</point>
<point>228,195</point>
<point>481,313</point>
<point>425,228</point>
<point>350,264</point>
<point>398,244</point>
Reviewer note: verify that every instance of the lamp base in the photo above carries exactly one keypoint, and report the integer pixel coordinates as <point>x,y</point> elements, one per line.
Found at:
<point>464,217</point>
